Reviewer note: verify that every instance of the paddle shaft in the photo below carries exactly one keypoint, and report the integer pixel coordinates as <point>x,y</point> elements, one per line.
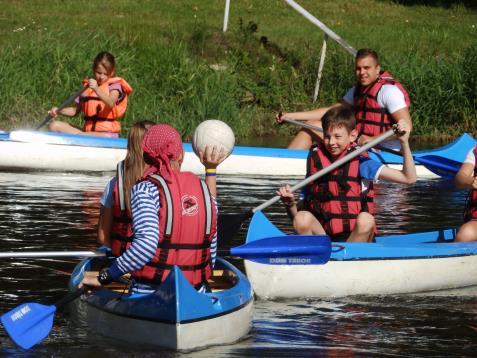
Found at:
<point>42,254</point>
<point>445,169</point>
<point>329,168</point>
<point>49,117</point>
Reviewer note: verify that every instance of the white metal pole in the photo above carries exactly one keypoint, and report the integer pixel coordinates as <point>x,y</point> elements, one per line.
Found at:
<point>323,27</point>
<point>320,68</point>
<point>226,14</point>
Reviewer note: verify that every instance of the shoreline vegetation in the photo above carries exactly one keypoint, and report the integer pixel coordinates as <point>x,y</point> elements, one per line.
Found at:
<point>184,69</point>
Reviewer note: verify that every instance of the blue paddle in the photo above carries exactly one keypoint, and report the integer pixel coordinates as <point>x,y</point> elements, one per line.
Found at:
<point>30,323</point>
<point>441,166</point>
<point>287,250</point>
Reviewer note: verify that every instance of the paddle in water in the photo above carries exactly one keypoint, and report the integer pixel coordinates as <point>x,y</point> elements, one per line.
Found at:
<point>49,117</point>
<point>30,323</point>
<point>230,224</point>
<point>443,167</point>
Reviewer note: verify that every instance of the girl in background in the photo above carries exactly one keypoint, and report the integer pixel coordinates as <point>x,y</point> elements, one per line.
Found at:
<point>103,102</point>
<point>115,212</point>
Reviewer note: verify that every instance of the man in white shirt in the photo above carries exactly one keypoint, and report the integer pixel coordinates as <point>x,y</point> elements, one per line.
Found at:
<point>379,101</point>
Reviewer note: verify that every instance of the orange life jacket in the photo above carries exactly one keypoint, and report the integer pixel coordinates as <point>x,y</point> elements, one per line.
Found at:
<point>470,212</point>
<point>371,118</point>
<point>337,198</point>
<point>97,116</point>
<point>188,223</point>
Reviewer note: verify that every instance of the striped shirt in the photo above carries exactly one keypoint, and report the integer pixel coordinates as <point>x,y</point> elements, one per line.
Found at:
<point>145,204</point>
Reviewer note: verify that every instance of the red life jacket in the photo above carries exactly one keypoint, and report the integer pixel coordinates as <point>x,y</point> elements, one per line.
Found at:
<point>470,212</point>
<point>97,116</point>
<point>371,118</point>
<point>336,199</point>
<point>121,233</point>
<point>188,223</point>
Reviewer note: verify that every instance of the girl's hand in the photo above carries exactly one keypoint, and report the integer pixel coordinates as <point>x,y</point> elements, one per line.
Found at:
<point>287,197</point>
<point>212,157</point>
<point>90,279</point>
<point>93,84</point>
<point>279,117</point>
<point>53,112</point>
<point>402,130</point>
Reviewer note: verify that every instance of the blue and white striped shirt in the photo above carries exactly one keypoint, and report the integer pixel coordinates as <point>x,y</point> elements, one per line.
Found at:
<point>145,204</point>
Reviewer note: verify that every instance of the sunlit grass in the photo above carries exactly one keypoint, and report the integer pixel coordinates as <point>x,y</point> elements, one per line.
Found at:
<point>184,69</point>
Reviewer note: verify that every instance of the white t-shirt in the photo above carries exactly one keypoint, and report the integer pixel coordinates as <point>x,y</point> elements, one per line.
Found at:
<point>470,158</point>
<point>389,97</point>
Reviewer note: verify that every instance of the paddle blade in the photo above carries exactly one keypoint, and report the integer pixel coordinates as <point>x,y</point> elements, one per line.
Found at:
<point>29,323</point>
<point>287,250</point>
<point>229,224</point>
<point>444,167</point>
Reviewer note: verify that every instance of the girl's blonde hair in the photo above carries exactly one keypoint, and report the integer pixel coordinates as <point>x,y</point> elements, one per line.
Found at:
<point>134,163</point>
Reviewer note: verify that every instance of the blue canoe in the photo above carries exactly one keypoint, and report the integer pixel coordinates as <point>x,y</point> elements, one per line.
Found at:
<point>39,150</point>
<point>418,262</point>
<point>175,316</point>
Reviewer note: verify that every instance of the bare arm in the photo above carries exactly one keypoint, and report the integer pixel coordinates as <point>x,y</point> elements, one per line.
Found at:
<point>109,99</point>
<point>68,111</point>
<point>288,199</point>
<point>105,225</point>
<point>314,114</point>
<point>408,173</point>
<point>211,158</point>
<point>465,177</point>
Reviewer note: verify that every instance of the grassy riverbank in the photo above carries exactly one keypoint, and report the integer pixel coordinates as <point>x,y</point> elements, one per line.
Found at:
<point>184,69</point>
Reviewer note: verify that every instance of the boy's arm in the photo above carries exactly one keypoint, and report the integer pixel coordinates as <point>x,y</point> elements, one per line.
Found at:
<point>465,177</point>
<point>408,173</point>
<point>288,199</point>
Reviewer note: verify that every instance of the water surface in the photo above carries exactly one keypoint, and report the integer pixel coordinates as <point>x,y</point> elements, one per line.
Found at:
<point>51,211</point>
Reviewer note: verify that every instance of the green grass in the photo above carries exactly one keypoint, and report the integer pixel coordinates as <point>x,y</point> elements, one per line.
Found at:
<point>184,69</point>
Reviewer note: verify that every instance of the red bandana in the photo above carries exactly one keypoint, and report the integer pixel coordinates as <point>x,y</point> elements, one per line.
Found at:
<point>162,143</point>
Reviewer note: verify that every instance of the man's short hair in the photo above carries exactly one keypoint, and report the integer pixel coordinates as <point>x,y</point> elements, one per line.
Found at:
<point>367,52</point>
<point>340,116</point>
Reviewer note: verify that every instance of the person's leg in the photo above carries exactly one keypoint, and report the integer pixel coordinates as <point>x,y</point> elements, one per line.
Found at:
<point>63,127</point>
<point>305,223</point>
<point>467,232</point>
<point>305,137</point>
<point>363,231</point>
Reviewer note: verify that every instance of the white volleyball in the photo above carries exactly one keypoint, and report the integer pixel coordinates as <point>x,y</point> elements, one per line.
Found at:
<point>213,132</point>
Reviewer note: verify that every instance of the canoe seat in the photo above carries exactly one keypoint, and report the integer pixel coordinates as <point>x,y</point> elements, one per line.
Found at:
<point>222,280</point>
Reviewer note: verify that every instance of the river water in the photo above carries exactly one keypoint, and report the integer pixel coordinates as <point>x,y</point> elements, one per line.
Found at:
<point>51,211</point>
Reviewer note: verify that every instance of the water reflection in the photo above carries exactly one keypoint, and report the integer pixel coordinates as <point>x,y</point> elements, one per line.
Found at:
<point>41,211</point>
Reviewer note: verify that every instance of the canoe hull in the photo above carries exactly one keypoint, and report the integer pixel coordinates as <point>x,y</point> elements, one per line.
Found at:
<point>30,150</point>
<point>366,277</point>
<point>226,329</point>
<point>408,263</point>
<point>174,316</point>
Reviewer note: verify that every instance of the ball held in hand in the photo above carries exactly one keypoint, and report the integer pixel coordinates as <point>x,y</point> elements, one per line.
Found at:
<point>213,132</point>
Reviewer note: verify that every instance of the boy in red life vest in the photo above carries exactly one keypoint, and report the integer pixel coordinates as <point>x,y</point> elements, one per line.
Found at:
<point>467,178</point>
<point>174,217</point>
<point>340,204</point>
<point>378,100</point>
<point>102,103</point>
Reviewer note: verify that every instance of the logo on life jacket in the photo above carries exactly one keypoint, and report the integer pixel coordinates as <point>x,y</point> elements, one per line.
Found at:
<point>190,205</point>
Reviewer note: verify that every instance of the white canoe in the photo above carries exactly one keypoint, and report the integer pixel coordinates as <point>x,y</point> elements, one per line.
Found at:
<point>36,150</point>
<point>410,263</point>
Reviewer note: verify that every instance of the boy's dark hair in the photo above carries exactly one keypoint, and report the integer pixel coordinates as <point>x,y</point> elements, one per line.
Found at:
<point>367,52</point>
<point>340,116</point>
